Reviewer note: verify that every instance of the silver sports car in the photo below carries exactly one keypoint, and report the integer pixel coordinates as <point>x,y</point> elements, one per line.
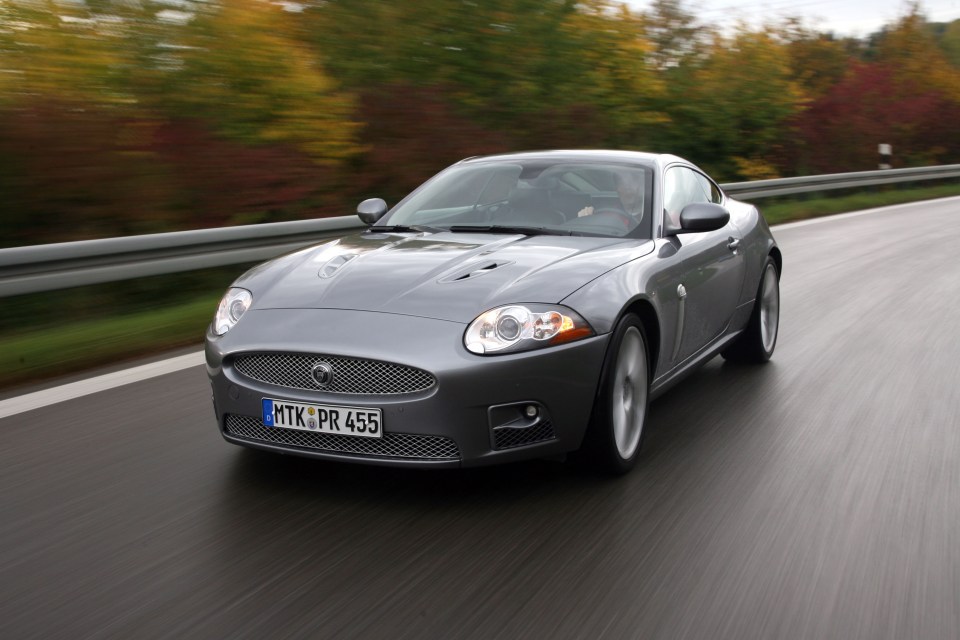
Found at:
<point>513,306</point>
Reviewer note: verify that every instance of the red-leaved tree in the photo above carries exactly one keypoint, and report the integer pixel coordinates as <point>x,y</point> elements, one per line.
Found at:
<point>840,130</point>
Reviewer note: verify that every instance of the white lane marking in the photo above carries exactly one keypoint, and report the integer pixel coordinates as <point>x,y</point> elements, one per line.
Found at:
<point>857,214</point>
<point>38,399</point>
<point>31,401</point>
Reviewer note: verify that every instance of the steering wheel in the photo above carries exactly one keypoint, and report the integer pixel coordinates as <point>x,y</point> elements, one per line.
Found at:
<point>503,215</point>
<point>489,210</point>
<point>559,216</point>
<point>616,214</point>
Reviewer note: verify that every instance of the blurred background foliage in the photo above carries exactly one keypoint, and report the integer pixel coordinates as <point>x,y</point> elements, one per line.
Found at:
<point>122,117</point>
<point>135,116</point>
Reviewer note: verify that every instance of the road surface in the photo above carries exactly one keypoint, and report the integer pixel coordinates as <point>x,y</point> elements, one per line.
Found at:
<point>815,497</point>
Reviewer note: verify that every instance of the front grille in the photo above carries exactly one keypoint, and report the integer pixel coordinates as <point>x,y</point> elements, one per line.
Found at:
<point>391,445</point>
<point>350,375</point>
<point>507,438</point>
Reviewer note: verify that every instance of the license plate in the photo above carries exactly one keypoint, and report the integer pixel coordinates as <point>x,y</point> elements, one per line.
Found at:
<point>339,420</point>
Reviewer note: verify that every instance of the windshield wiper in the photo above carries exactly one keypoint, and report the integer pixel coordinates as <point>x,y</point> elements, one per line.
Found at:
<point>497,228</point>
<point>402,228</point>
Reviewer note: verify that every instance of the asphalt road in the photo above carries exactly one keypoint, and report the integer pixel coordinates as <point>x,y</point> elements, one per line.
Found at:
<point>815,497</point>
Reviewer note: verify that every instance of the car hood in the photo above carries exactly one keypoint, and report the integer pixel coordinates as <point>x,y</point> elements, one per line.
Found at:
<point>446,276</point>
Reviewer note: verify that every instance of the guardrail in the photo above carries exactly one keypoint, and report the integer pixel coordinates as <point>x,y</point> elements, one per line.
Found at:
<point>70,264</point>
<point>805,184</point>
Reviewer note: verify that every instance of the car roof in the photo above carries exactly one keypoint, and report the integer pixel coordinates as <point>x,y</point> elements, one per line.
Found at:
<point>579,155</point>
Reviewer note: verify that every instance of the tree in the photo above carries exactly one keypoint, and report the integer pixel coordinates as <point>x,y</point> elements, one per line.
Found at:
<point>245,71</point>
<point>734,103</point>
<point>873,104</point>
<point>909,49</point>
<point>949,41</point>
<point>818,61</point>
<point>505,64</point>
<point>71,52</point>
<point>617,80</point>
<point>673,33</point>
<point>412,133</point>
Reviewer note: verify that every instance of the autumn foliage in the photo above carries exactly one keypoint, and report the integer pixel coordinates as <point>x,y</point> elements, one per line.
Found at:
<point>123,118</point>
<point>842,127</point>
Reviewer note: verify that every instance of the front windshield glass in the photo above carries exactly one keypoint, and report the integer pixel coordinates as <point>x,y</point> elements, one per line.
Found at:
<point>588,198</point>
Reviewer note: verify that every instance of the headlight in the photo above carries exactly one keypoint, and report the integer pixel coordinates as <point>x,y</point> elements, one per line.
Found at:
<point>233,305</point>
<point>521,327</point>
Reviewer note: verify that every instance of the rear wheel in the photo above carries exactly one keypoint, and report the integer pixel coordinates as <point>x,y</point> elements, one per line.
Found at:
<point>759,339</point>
<point>613,439</point>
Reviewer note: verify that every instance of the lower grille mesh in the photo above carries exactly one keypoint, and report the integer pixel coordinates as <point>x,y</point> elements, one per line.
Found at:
<point>506,438</point>
<point>391,445</point>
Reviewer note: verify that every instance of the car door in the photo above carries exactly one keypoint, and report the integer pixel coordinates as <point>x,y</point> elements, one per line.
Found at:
<point>712,264</point>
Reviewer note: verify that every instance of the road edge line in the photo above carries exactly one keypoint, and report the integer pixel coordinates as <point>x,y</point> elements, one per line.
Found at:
<point>856,214</point>
<point>105,382</point>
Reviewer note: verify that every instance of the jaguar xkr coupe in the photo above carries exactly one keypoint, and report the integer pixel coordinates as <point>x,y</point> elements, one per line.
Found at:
<point>512,307</point>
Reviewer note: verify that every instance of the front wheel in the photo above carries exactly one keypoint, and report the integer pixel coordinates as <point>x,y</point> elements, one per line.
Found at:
<point>758,340</point>
<point>613,439</point>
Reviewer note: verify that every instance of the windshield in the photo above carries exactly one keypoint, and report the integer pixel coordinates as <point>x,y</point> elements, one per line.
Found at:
<point>570,198</point>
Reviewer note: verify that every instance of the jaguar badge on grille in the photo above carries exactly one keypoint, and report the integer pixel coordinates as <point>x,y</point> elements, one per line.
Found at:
<point>322,374</point>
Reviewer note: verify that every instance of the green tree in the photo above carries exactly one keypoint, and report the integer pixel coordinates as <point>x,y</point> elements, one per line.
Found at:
<point>673,33</point>
<point>244,69</point>
<point>70,52</point>
<point>818,61</point>
<point>495,56</point>
<point>617,78</point>
<point>949,41</point>
<point>910,47</point>
<point>508,64</point>
<point>729,110</point>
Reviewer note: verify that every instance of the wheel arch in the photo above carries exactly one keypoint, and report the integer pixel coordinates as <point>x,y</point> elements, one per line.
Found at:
<point>777,259</point>
<point>595,443</point>
<point>645,310</point>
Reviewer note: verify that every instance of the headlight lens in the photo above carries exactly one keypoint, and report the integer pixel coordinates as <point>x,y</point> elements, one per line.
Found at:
<point>233,305</point>
<point>519,327</point>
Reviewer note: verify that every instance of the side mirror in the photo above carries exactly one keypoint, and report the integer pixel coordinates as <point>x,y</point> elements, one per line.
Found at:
<point>703,216</point>
<point>371,210</point>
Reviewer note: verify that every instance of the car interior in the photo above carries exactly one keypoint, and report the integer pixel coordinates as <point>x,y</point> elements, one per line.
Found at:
<point>575,198</point>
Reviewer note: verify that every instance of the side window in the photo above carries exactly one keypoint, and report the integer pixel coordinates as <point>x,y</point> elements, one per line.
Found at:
<point>681,186</point>
<point>711,190</point>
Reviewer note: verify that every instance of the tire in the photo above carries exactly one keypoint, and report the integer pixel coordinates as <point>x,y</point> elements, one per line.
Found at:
<point>613,439</point>
<point>759,339</point>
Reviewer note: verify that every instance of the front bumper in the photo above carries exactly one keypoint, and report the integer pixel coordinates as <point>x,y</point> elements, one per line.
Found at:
<point>473,398</point>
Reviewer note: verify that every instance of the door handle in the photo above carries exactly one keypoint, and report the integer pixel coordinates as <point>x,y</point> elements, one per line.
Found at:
<point>733,244</point>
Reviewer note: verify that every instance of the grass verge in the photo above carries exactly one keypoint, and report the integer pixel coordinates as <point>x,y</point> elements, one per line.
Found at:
<point>31,355</point>
<point>777,212</point>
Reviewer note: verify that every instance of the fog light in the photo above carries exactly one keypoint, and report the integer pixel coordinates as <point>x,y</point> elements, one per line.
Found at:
<point>531,411</point>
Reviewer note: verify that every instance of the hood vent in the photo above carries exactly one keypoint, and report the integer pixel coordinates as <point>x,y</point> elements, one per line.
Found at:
<point>334,264</point>
<point>474,271</point>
